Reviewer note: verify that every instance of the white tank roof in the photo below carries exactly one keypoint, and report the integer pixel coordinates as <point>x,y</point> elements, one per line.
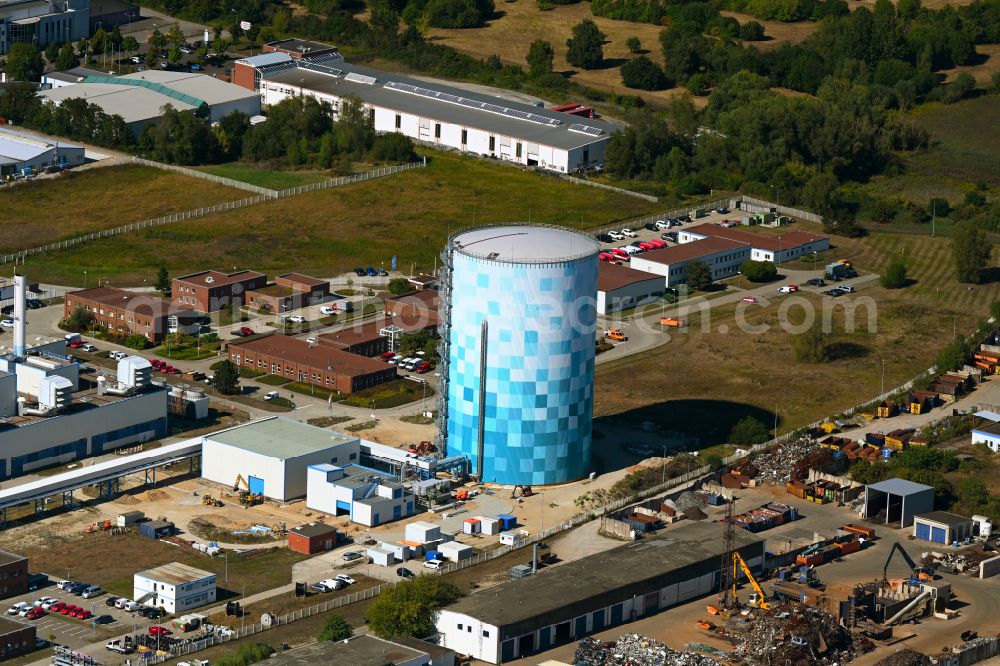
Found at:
<point>527,244</point>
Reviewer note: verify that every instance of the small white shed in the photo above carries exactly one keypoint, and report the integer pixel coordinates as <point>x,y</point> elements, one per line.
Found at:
<point>508,538</point>
<point>400,551</point>
<point>455,551</point>
<point>422,532</point>
<point>489,526</point>
<point>383,558</point>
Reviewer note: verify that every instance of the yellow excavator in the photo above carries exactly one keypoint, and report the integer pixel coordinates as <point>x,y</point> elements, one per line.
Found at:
<point>757,598</point>
<point>247,498</point>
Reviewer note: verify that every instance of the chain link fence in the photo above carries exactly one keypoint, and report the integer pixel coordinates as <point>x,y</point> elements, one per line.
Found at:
<point>610,188</point>
<point>270,195</point>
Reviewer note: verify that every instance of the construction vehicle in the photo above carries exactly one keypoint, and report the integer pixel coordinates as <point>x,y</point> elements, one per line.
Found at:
<point>757,598</point>
<point>247,498</point>
<point>919,573</point>
<point>423,448</point>
<point>522,491</point>
<point>615,334</point>
<point>208,500</point>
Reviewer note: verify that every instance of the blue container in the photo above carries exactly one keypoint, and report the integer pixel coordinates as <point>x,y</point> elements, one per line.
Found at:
<point>432,555</point>
<point>507,521</point>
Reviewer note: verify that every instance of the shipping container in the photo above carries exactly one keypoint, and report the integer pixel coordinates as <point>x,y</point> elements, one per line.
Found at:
<point>431,555</point>
<point>797,488</point>
<point>849,547</point>
<point>507,522</point>
<point>875,439</point>
<point>860,530</point>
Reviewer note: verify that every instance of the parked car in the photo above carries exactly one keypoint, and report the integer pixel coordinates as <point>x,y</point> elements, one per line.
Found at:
<point>360,272</point>
<point>351,555</point>
<point>662,224</point>
<point>383,273</point>
<point>110,601</point>
<point>847,288</point>
<point>347,579</point>
<point>628,232</point>
<point>333,584</point>
<point>121,601</point>
<point>311,339</point>
<point>433,564</point>
<point>320,587</point>
<point>195,67</point>
<point>270,395</point>
<point>722,210</point>
<point>327,310</point>
<point>18,607</point>
<point>423,367</point>
<point>615,236</point>
<point>42,600</point>
<point>89,348</point>
<point>788,289</point>
<point>7,323</point>
<point>34,304</point>
<point>816,282</point>
<point>119,355</point>
<point>157,630</point>
<point>136,60</point>
<point>35,613</point>
<point>652,226</point>
<point>296,319</point>
<point>403,572</point>
<point>604,238</point>
<point>50,604</point>
<point>834,293</point>
<point>749,299</point>
<point>386,356</point>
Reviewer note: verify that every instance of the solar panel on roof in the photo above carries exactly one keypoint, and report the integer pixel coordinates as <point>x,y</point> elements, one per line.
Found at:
<point>586,129</point>
<point>360,78</point>
<point>322,69</point>
<point>473,104</point>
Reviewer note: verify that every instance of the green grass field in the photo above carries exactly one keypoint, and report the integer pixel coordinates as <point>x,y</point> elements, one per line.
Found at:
<point>408,215</point>
<point>961,153</point>
<point>44,211</point>
<point>271,179</point>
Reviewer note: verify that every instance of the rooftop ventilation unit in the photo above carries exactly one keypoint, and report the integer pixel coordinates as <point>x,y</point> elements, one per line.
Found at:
<point>360,78</point>
<point>134,371</point>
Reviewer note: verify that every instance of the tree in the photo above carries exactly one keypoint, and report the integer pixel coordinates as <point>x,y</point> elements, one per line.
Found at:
<point>938,207</point>
<point>162,283</point>
<point>540,55</point>
<point>810,345</point>
<point>175,35</point>
<point>759,271</point>
<point>644,74</point>
<point>78,320</point>
<point>335,628</point>
<point>895,275</point>
<point>227,378</point>
<point>699,276</point>
<point>585,48</point>
<point>971,249</point>
<point>633,45</point>
<point>393,147</point>
<point>954,356</point>
<point>751,31</point>
<point>67,58</point>
<point>410,608</point>
<point>136,341</point>
<point>129,44</point>
<point>399,286</point>
<point>25,63</point>
<point>749,431</point>
<point>52,51</point>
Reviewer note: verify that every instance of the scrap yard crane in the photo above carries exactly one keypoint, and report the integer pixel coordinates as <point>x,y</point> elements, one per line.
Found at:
<point>918,572</point>
<point>758,598</point>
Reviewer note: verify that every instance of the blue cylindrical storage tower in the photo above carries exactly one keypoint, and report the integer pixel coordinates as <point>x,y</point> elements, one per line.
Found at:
<point>535,288</point>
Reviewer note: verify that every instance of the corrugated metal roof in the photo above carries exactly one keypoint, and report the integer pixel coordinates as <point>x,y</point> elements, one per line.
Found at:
<point>175,573</point>
<point>987,414</point>
<point>899,487</point>
<point>265,59</point>
<point>22,147</point>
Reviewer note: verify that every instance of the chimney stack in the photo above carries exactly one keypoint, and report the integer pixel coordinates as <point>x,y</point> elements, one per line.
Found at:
<point>20,315</point>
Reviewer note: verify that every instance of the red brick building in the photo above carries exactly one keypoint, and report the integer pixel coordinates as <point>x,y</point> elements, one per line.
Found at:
<point>13,574</point>
<point>312,538</point>
<point>320,365</point>
<point>16,638</point>
<point>290,291</point>
<point>128,313</point>
<point>420,306</point>
<point>210,291</point>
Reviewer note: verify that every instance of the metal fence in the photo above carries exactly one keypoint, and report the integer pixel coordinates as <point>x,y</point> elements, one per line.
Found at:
<point>271,195</point>
<point>639,222</point>
<point>194,173</point>
<point>610,188</point>
<point>784,210</point>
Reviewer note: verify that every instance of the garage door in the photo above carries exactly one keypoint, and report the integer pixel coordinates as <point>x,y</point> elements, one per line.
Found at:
<point>938,535</point>
<point>256,485</point>
<point>924,531</point>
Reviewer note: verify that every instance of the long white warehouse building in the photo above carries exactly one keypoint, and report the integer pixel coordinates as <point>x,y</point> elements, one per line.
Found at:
<point>434,113</point>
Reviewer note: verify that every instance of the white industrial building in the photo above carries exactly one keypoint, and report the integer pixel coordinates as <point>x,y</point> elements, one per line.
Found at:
<point>22,153</point>
<point>273,454</point>
<point>776,249</point>
<point>621,287</point>
<point>52,411</point>
<point>565,603</point>
<point>989,432</point>
<point>942,527</point>
<point>175,587</point>
<point>434,113</point>
<point>42,22</point>
<point>368,496</point>
<point>140,97</point>
<point>722,256</point>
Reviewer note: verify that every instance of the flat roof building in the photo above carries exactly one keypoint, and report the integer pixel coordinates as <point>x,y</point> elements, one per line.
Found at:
<point>125,312</point>
<point>897,501</point>
<point>321,365</point>
<point>565,603</point>
<point>210,291</point>
<point>272,455</point>
<point>621,287</point>
<point>367,650</point>
<point>22,152</point>
<point>313,538</point>
<point>942,527</point>
<point>368,496</point>
<point>722,256</point>
<point>16,638</point>
<point>290,291</point>
<point>175,587</point>
<point>140,97</point>
<point>422,305</point>
<point>13,574</point>
<point>777,249</point>
<point>41,22</point>
<point>433,112</point>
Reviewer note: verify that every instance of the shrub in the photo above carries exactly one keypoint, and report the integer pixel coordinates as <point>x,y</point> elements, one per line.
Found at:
<point>895,275</point>
<point>759,271</point>
<point>644,74</point>
<point>393,147</point>
<point>749,431</point>
<point>810,346</point>
<point>335,628</point>
<point>751,31</point>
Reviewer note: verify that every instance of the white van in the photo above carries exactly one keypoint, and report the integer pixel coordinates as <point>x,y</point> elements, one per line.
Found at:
<point>131,606</point>
<point>121,601</point>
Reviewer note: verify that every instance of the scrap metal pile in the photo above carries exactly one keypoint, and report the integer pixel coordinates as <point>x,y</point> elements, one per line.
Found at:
<point>778,464</point>
<point>961,562</point>
<point>635,650</point>
<point>797,636</point>
<point>692,505</point>
<point>905,657</point>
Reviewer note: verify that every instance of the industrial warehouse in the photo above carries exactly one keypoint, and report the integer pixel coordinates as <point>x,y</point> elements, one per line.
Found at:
<point>518,396</point>
<point>431,112</point>
<point>23,154</point>
<point>532,614</point>
<point>777,249</point>
<point>139,98</point>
